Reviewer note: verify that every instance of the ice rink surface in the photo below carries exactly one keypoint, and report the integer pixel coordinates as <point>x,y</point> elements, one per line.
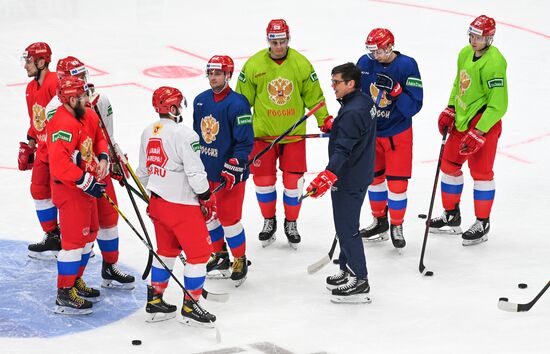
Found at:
<point>133,47</point>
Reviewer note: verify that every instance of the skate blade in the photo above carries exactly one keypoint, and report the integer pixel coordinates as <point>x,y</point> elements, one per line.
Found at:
<point>64,310</point>
<point>351,299</point>
<point>219,274</point>
<point>160,316</point>
<point>377,238</point>
<point>92,299</point>
<point>239,282</point>
<point>268,242</point>
<point>115,285</point>
<point>399,250</point>
<point>451,230</point>
<point>483,238</point>
<point>294,246</point>
<point>43,256</point>
<point>192,323</point>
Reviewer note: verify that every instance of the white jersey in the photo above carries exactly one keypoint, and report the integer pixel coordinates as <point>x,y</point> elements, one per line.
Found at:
<point>170,163</point>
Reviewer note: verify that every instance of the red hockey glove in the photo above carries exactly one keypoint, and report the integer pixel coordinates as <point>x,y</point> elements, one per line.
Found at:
<point>207,201</point>
<point>386,83</point>
<point>327,124</point>
<point>471,142</point>
<point>321,184</point>
<point>446,119</point>
<point>25,159</point>
<point>232,172</point>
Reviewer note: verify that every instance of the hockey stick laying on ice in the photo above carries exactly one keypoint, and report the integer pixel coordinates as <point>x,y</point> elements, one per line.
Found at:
<point>315,267</point>
<point>504,305</point>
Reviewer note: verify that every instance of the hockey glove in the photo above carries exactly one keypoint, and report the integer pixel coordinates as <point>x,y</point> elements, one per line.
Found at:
<point>386,83</point>
<point>232,172</point>
<point>76,156</point>
<point>327,124</point>
<point>321,184</point>
<point>25,159</point>
<point>207,201</point>
<point>446,119</point>
<point>90,185</point>
<point>471,142</point>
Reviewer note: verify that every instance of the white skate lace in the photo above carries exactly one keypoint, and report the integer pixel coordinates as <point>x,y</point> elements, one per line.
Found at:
<point>268,225</point>
<point>338,275</point>
<point>291,228</point>
<point>115,270</point>
<point>373,225</point>
<point>351,283</point>
<point>476,227</point>
<point>397,232</point>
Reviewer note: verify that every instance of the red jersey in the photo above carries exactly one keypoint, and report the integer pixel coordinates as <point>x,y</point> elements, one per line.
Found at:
<point>67,134</point>
<point>38,98</point>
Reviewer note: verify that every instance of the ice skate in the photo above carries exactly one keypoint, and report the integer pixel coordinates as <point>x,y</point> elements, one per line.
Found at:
<point>48,248</point>
<point>69,303</point>
<point>194,315</point>
<point>267,235</point>
<point>239,271</point>
<point>156,308</point>
<point>448,223</point>
<point>291,232</point>
<point>477,233</point>
<point>83,290</point>
<point>114,278</point>
<point>377,231</point>
<point>397,238</point>
<point>218,265</point>
<point>356,291</point>
<point>338,279</point>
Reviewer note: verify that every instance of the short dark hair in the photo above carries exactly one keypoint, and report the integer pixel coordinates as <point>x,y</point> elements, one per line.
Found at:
<point>349,72</point>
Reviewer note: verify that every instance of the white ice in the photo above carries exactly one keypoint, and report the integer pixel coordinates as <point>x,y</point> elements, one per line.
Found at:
<point>455,311</point>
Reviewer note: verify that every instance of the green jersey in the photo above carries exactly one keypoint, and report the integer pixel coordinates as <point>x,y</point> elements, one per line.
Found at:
<point>479,85</point>
<point>279,93</point>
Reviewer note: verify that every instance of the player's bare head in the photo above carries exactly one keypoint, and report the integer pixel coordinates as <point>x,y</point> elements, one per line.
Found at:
<point>278,37</point>
<point>345,79</point>
<point>380,43</point>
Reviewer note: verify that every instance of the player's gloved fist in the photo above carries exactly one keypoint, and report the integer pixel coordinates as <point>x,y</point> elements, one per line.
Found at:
<point>386,83</point>
<point>207,201</point>
<point>471,142</point>
<point>90,185</point>
<point>327,124</point>
<point>321,184</point>
<point>446,119</point>
<point>232,172</point>
<point>25,159</point>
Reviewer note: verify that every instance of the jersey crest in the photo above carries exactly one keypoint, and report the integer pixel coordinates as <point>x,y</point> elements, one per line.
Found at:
<point>210,127</point>
<point>279,90</point>
<point>39,117</point>
<point>156,128</point>
<point>465,81</point>
<point>87,154</point>
<point>384,102</point>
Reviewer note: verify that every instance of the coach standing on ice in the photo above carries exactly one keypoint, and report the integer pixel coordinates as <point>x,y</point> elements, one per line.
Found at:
<point>350,169</point>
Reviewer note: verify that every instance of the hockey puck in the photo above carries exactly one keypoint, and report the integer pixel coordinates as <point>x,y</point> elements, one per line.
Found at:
<point>422,216</point>
<point>522,286</point>
<point>503,299</point>
<point>136,342</point>
<point>336,261</point>
<point>429,273</point>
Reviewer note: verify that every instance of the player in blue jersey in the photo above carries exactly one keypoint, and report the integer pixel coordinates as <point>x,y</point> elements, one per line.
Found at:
<point>222,119</point>
<point>393,81</point>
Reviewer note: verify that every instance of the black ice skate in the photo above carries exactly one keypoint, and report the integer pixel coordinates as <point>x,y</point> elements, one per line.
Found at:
<point>338,279</point>
<point>114,278</point>
<point>397,238</point>
<point>448,223</point>
<point>356,291</point>
<point>377,231</point>
<point>267,235</point>
<point>195,316</point>
<point>218,265</point>
<point>69,303</point>
<point>477,233</point>
<point>85,291</point>
<point>240,270</point>
<point>156,308</point>
<point>291,232</point>
<point>48,248</point>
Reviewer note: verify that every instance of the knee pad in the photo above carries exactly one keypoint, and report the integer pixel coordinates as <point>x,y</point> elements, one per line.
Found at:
<point>264,181</point>
<point>39,191</point>
<point>293,180</point>
<point>451,168</point>
<point>378,179</point>
<point>398,186</point>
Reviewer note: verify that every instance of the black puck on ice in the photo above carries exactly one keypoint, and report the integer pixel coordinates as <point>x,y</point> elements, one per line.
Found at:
<point>522,286</point>
<point>136,342</point>
<point>336,261</point>
<point>503,299</point>
<point>422,216</point>
<point>429,273</point>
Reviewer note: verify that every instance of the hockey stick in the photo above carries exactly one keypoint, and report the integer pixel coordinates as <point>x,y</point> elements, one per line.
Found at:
<point>315,267</point>
<point>279,138</point>
<point>421,266</point>
<point>504,305</point>
<point>301,136</point>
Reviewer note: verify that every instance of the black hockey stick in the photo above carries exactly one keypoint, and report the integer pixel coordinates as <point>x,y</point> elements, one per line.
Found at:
<point>315,267</point>
<point>278,139</point>
<point>504,305</point>
<point>421,266</point>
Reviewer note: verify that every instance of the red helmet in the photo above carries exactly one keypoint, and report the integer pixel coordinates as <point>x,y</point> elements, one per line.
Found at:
<point>71,66</point>
<point>379,38</point>
<point>165,97</point>
<point>70,86</point>
<point>483,26</point>
<point>38,50</point>
<point>277,29</point>
<point>221,62</point>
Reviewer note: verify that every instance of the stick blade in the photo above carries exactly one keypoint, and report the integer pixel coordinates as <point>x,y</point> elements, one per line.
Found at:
<point>315,267</point>
<point>507,306</point>
<point>222,297</point>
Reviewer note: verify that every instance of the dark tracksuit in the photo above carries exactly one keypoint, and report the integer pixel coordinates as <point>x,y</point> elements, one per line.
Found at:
<point>351,150</point>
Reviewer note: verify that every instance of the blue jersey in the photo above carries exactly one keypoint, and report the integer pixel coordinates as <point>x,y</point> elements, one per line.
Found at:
<point>393,115</point>
<point>224,129</point>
